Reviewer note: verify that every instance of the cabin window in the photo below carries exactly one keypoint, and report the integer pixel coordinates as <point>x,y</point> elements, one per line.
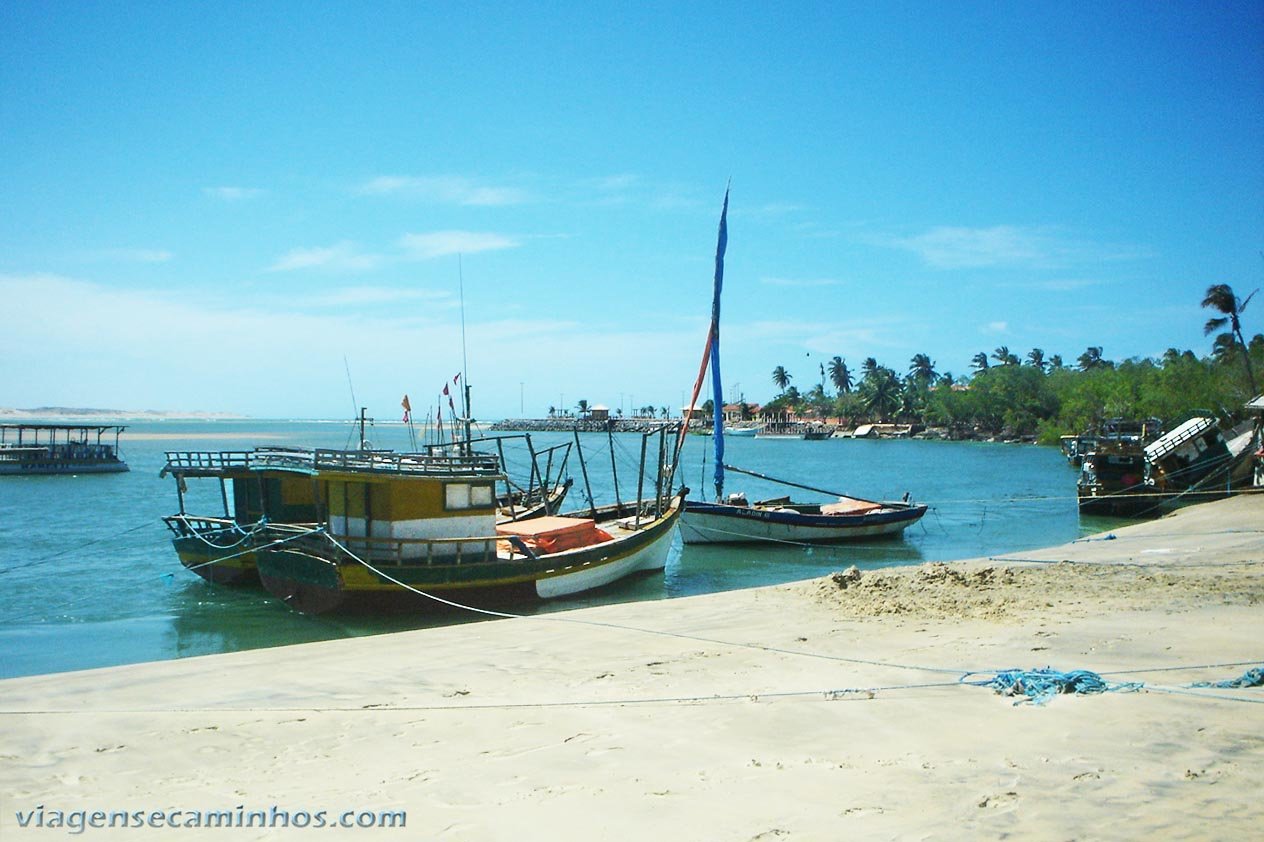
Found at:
<point>463,495</point>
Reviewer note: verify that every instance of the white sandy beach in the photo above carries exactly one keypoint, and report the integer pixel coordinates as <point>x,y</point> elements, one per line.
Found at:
<point>820,710</point>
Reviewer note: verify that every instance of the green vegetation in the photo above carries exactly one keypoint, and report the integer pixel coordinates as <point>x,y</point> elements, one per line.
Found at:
<point>1041,397</point>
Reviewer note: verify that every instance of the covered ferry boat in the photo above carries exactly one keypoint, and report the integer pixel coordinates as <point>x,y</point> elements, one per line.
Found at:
<point>28,449</point>
<point>349,529</point>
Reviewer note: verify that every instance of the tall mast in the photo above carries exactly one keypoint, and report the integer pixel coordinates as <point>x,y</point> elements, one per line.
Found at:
<point>465,366</point>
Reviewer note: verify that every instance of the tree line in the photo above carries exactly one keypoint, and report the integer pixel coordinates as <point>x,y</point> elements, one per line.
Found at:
<point>1039,395</point>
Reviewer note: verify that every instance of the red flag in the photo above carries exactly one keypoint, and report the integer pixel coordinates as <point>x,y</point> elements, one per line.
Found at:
<point>454,379</point>
<point>445,388</point>
<point>408,409</point>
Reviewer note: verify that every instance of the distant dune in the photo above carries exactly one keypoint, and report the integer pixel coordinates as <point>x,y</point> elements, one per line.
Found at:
<point>68,413</point>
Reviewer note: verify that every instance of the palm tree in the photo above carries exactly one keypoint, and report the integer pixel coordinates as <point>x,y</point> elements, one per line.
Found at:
<point>781,378</point>
<point>840,376</point>
<point>1220,297</point>
<point>552,411</point>
<point>1055,361</point>
<point>582,406</point>
<point>881,394</point>
<point>1036,357</point>
<point>1003,356</point>
<point>946,379</point>
<point>869,368</point>
<point>980,361</point>
<point>923,368</point>
<point>1091,358</point>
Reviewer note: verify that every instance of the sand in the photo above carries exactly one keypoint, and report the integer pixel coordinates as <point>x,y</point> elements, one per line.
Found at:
<point>826,709</point>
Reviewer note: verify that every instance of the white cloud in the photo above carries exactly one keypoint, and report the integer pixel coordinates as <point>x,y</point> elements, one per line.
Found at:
<point>996,327</point>
<point>369,295</point>
<point>440,243</point>
<point>232,194</point>
<point>343,256</point>
<point>449,189</point>
<point>953,247</point>
<point>137,255</point>
<point>800,282</point>
<point>116,347</point>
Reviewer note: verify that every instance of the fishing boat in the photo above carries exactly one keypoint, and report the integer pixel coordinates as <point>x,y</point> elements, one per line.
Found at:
<point>331,530</point>
<point>1131,474</point>
<point>30,449</point>
<point>258,487</point>
<point>1199,460</point>
<point>733,519</point>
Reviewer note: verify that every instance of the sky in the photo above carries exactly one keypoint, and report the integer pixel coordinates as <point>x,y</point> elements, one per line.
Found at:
<point>291,209</point>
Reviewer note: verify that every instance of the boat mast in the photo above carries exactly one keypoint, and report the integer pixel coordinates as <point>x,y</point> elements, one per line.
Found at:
<point>717,389</point>
<point>465,366</point>
<point>711,356</point>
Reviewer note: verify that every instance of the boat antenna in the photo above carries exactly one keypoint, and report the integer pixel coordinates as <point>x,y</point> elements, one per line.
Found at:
<point>465,365</point>
<point>355,404</point>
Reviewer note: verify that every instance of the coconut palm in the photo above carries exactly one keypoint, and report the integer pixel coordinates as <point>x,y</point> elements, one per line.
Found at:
<point>1055,361</point>
<point>1092,358</point>
<point>881,393</point>
<point>869,368</point>
<point>1036,356</point>
<point>781,378</point>
<point>1003,356</point>
<point>980,361</point>
<point>840,376</point>
<point>1220,297</point>
<point>923,368</point>
<point>582,406</point>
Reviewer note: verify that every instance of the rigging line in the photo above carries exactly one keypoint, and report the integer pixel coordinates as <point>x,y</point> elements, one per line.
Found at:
<point>830,695</point>
<point>1179,669</point>
<point>1183,691</point>
<point>1149,565</point>
<point>621,627</point>
<point>80,546</point>
<point>168,577</point>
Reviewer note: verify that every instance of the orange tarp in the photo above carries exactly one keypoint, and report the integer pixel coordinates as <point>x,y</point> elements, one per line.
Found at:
<point>555,534</point>
<point>848,506</point>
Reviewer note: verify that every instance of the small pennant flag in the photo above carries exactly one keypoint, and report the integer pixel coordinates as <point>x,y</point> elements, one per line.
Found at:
<point>408,409</point>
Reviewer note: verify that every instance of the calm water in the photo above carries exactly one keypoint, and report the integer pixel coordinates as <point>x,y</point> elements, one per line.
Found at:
<point>88,577</point>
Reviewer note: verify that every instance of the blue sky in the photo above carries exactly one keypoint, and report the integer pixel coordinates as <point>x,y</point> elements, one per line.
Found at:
<point>227,207</point>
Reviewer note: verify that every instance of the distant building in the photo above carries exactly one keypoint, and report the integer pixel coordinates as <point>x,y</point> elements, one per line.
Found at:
<point>599,413</point>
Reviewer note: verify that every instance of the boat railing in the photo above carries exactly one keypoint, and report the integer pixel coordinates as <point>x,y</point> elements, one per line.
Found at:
<point>402,552</point>
<point>205,461</point>
<point>217,462</point>
<point>390,461</point>
<point>1165,445</point>
<point>201,526</point>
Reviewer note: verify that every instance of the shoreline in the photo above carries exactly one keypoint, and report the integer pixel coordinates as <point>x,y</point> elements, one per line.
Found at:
<point>795,711</point>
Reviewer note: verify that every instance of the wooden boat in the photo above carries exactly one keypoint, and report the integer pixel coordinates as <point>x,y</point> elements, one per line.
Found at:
<point>31,449</point>
<point>734,520</point>
<point>1197,460</point>
<point>1127,475</point>
<point>257,487</point>
<point>780,520</point>
<point>347,529</point>
<point>1113,479</point>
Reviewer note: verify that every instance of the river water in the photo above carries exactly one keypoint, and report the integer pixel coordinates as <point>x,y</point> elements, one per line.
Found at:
<point>88,577</point>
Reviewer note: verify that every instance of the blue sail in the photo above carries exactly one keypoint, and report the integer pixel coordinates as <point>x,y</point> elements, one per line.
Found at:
<point>717,388</point>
